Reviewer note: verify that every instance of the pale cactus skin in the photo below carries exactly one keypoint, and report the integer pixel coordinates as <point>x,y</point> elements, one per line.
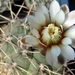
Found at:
<point>35,2</point>
<point>18,60</point>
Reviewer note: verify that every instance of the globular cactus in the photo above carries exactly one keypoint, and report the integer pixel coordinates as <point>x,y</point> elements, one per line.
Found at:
<point>20,57</point>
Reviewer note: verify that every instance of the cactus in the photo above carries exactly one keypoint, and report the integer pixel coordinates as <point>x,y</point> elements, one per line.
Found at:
<point>4,4</point>
<point>21,58</point>
<point>34,2</point>
<point>21,61</point>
